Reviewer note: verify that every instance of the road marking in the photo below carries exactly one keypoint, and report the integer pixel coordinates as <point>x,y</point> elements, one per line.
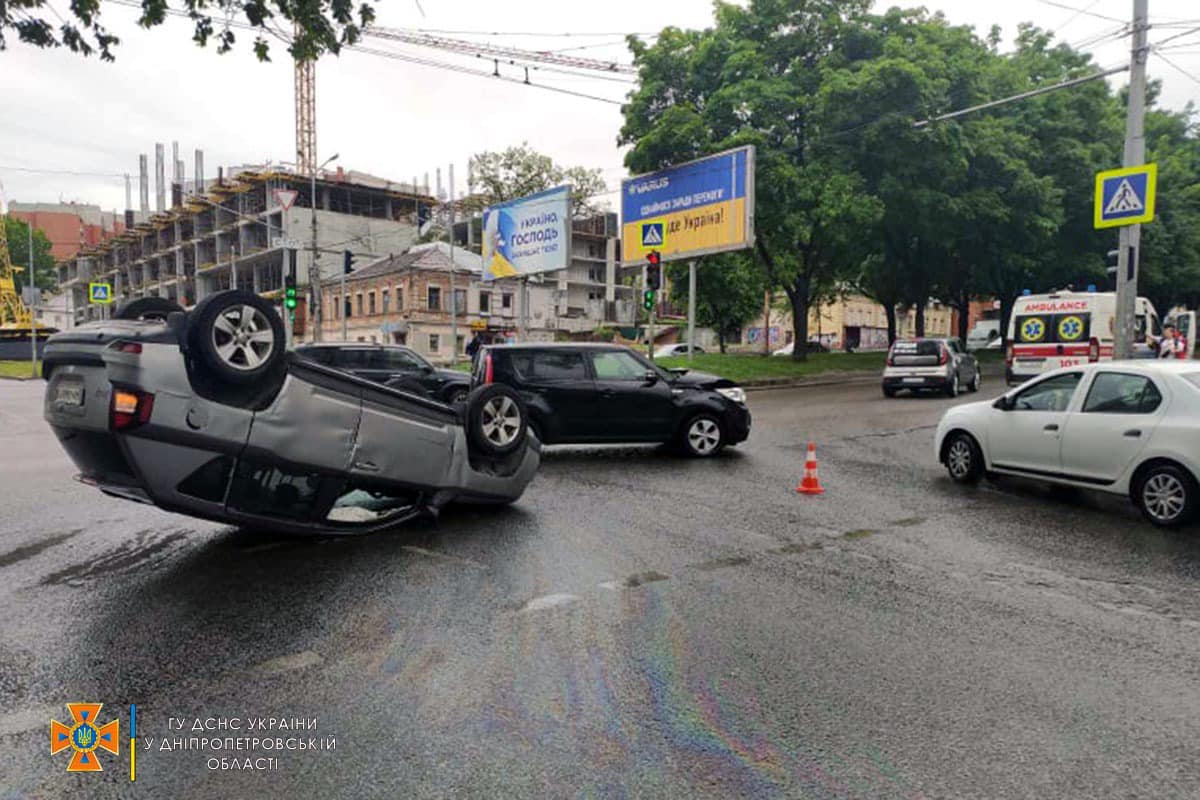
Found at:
<point>444,556</point>
<point>548,601</point>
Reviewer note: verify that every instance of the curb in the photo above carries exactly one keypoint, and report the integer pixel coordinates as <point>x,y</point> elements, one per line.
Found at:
<point>835,379</point>
<point>15,378</point>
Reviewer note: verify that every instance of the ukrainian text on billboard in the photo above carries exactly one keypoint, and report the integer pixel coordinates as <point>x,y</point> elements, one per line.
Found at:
<point>527,235</point>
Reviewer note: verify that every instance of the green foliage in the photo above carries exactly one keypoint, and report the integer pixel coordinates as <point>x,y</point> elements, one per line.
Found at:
<point>521,170</point>
<point>17,232</point>
<point>604,334</point>
<point>760,368</point>
<point>850,193</point>
<point>729,292</point>
<point>320,26</point>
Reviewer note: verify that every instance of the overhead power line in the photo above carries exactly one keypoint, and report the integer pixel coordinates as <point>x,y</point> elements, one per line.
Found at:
<point>1173,37</point>
<point>1079,11</point>
<point>75,173</point>
<point>1179,69</point>
<point>498,51</point>
<point>1023,95</point>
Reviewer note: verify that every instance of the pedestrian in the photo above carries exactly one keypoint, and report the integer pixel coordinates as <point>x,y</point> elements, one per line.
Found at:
<point>1171,345</point>
<point>474,345</point>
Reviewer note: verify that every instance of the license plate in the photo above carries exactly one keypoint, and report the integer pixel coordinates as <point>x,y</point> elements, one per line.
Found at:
<point>69,393</point>
<point>914,380</point>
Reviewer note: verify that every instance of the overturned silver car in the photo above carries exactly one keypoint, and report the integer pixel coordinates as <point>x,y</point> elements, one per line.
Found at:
<point>206,413</point>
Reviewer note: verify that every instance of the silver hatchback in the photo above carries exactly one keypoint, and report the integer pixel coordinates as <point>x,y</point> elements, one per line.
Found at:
<point>939,365</point>
<point>206,413</point>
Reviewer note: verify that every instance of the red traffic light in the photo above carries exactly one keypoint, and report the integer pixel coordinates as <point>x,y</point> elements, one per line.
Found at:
<point>654,258</point>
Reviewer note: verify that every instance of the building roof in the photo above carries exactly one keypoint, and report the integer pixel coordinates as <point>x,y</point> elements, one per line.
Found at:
<point>387,265</point>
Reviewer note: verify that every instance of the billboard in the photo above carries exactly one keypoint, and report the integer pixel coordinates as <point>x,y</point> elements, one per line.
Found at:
<point>528,235</point>
<point>703,206</point>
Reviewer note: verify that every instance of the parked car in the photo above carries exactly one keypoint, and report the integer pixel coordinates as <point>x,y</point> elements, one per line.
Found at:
<point>394,365</point>
<point>940,365</point>
<point>1129,427</point>
<point>814,346</point>
<point>602,393</point>
<point>205,413</point>
<point>672,350</point>
<point>984,336</point>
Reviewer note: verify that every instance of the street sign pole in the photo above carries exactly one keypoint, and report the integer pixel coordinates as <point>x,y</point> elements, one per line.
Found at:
<point>33,326</point>
<point>287,314</point>
<point>1135,155</point>
<point>691,307</point>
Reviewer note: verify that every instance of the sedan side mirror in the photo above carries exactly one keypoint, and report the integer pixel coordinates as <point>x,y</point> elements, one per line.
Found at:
<point>1004,403</point>
<point>651,377</point>
<point>426,368</point>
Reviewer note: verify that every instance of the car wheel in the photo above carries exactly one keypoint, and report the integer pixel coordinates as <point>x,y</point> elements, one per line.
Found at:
<point>702,436</point>
<point>147,308</point>
<point>496,419</point>
<point>457,395</point>
<point>976,382</point>
<point>237,336</point>
<point>889,392</point>
<point>1166,495</point>
<point>964,459</point>
<point>952,387</point>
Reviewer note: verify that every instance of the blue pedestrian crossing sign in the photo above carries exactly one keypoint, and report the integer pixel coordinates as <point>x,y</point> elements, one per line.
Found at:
<point>100,293</point>
<point>1125,196</point>
<point>653,234</point>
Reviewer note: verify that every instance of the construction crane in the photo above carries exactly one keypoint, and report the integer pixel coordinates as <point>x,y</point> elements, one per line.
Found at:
<point>15,318</point>
<point>306,114</point>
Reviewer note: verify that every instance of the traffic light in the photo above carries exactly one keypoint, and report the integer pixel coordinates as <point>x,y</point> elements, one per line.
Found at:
<point>653,269</point>
<point>648,299</point>
<point>347,262</point>
<point>289,292</point>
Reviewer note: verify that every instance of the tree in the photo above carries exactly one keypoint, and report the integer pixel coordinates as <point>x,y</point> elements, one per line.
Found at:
<point>320,25</point>
<point>17,232</point>
<point>729,292</point>
<point>520,171</point>
<point>759,77</point>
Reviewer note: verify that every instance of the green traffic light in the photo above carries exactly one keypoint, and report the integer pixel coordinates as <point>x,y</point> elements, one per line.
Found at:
<point>648,299</point>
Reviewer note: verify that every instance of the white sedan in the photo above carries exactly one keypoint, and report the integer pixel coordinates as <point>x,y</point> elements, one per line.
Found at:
<point>1130,428</point>
<point>673,350</point>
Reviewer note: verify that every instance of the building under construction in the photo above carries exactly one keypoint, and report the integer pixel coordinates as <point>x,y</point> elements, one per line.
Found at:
<point>235,232</point>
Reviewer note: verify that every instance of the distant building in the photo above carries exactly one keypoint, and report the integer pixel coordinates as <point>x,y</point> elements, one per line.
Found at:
<point>237,234</point>
<point>853,320</point>
<point>70,227</point>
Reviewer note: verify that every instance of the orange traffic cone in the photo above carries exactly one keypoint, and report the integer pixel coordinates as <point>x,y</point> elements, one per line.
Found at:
<point>810,484</point>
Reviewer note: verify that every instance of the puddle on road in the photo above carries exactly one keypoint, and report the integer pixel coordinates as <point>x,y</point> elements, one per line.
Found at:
<point>907,522</point>
<point>145,548</point>
<point>31,550</point>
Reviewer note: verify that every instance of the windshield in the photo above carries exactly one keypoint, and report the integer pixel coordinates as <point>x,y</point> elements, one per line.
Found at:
<point>650,365</point>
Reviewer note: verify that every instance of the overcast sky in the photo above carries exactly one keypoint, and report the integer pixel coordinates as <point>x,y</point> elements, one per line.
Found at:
<point>398,119</point>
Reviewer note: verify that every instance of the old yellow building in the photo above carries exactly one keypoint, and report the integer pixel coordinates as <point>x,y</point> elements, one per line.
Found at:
<point>853,319</point>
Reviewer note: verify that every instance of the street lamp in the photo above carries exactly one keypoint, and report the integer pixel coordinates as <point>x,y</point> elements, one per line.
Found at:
<point>314,271</point>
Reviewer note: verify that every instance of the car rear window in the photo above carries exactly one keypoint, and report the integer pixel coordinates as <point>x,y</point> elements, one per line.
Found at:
<point>1052,328</point>
<point>915,353</point>
<point>549,365</point>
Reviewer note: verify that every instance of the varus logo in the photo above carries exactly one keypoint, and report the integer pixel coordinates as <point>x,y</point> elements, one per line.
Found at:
<point>84,736</point>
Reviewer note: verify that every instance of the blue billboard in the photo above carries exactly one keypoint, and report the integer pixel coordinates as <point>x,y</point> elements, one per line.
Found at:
<point>528,235</point>
<point>703,206</point>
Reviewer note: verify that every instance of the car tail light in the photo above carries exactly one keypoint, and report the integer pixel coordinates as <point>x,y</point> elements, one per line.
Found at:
<point>1008,354</point>
<point>891,359</point>
<point>488,374</point>
<point>130,408</point>
<point>122,346</point>
<point>1093,350</point>
<point>945,355</point>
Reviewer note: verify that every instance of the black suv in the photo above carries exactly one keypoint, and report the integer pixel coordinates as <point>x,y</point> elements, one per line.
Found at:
<point>392,365</point>
<point>602,393</point>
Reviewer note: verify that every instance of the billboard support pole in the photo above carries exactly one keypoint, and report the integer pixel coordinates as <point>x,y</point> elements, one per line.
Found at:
<point>691,307</point>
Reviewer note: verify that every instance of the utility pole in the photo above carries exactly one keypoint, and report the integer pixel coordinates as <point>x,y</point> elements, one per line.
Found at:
<point>691,308</point>
<point>33,298</point>
<point>314,269</point>
<point>1135,155</point>
<point>453,294</point>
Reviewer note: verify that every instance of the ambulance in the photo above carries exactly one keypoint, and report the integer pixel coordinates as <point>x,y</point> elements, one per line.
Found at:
<point>1063,329</point>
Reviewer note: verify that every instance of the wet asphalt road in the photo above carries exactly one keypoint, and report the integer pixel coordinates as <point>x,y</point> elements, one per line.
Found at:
<point>637,626</point>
